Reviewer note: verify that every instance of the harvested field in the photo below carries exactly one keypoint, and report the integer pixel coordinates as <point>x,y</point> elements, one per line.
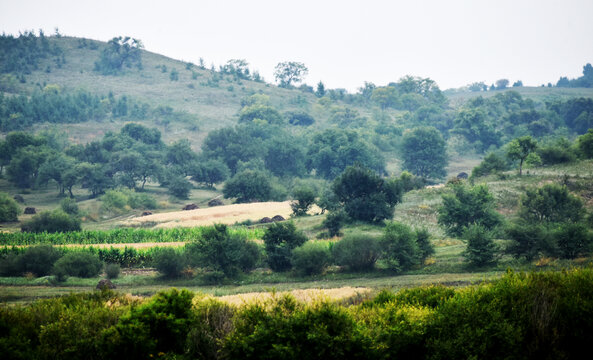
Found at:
<point>304,295</point>
<point>228,214</point>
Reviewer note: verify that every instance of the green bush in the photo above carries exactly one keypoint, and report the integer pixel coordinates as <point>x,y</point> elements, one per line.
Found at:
<point>399,247</point>
<point>9,209</point>
<point>585,144</point>
<point>357,252</point>
<point>424,244</point>
<point>180,187</point>
<point>334,221</point>
<point>528,240</point>
<point>51,222</point>
<point>311,258</point>
<point>39,259</point>
<point>69,206</point>
<point>559,153</point>
<point>572,240</point>
<point>304,198</point>
<point>77,263</point>
<point>550,203</point>
<point>219,250</point>
<point>214,322</point>
<point>280,239</point>
<point>117,200</point>
<point>491,164</point>
<point>169,262</point>
<point>481,249</point>
<point>112,271</point>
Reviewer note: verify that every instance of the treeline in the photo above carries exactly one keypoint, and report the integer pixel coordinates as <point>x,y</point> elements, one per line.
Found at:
<point>540,315</point>
<point>585,81</point>
<point>55,106</point>
<point>21,55</point>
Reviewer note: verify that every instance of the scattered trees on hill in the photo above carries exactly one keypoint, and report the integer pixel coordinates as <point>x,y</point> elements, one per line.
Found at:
<point>424,153</point>
<point>22,54</point>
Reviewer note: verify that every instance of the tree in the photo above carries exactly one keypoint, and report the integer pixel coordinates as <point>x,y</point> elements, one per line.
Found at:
<point>399,247</point>
<point>280,239</point>
<point>550,203</point>
<point>585,144</point>
<point>52,221</point>
<point>491,164</point>
<point>120,52</point>
<point>481,249</point>
<point>248,186</point>
<point>471,124</point>
<point>365,195</point>
<point>9,209</point>
<point>304,198</point>
<point>285,157</point>
<point>261,112</point>
<point>572,240</point>
<point>424,152</point>
<point>518,83</point>
<point>502,84</point>
<point>299,118</point>
<point>385,96</point>
<point>179,187</point>
<point>287,73</point>
<point>59,168</point>
<point>320,91</point>
<point>519,149</point>
<point>467,206</point>
<point>210,172</point>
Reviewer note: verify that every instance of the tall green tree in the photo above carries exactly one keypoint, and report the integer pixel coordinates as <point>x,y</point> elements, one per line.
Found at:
<point>424,152</point>
<point>550,203</point>
<point>248,186</point>
<point>290,72</point>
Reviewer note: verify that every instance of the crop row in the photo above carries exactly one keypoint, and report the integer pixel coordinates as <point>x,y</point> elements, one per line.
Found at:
<point>116,236</point>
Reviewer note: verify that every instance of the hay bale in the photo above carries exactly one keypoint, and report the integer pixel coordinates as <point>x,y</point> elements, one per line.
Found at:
<point>105,284</point>
<point>266,220</point>
<point>462,175</point>
<point>146,213</point>
<point>215,202</point>
<point>278,218</point>
<point>190,207</point>
<point>30,210</point>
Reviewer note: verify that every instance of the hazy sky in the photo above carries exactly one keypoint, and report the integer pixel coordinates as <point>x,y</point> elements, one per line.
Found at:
<point>343,43</point>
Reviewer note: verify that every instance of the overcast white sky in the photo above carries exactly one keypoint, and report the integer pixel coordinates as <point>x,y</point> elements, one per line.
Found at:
<point>343,43</point>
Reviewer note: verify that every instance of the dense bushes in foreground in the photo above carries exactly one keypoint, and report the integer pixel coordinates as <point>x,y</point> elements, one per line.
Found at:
<point>540,315</point>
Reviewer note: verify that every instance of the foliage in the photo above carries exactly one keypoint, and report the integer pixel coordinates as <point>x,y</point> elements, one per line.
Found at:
<point>248,186</point>
<point>219,250</point>
<point>424,245</point>
<point>169,262</point>
<point>51,221</point>
<point>559,152</point>
<point>472,124</point>
<point>210,172</point>
<point>121,52</point>
<point>289,72</point>
<point>424,153</point>
<point>299,118</point>
<point>69,206</point>
<point>179,187</point>
<point>115,200</point>
<point>585,144</point>
<point>23,54</point>
<point>311,258</point>
<point>550,203</point>
<point>334,221</point>
<point>528,240</point>
<point>399,247</point>
<point>9,209</point>
<point>573,240</point>
<point>77,263</point>
<point>366,196</point>
<point>112,271</point>
<point>280,239</point>
<point>481,249</point>
<point>357,252</point>
<point>304,198</point>
<point>519,149</point>
<point>491,164</point>
<point>467,206</point>
<point>260,112</point>
<point>37,260</point>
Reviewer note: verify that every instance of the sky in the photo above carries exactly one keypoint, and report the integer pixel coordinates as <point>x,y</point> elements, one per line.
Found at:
<point>343,43</point>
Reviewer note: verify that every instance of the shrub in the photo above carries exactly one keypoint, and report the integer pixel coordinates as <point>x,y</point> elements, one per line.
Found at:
<point>248,186</point>
<point>220,251</point>
<point>311,258</point>
<point>138,200</point>
<point>528,240</point>
<point>112,271</point>
<point>585,144</point>
<point>334,221</point>
<point>179,187</point>
<point>466,206</point>
<point>214,322</point>
<point>550,203</point>
<point>358,252</point>
<point>491,164</point>
<point>481,249</point>
<point>69,206</point>
<point>304,198</point>
<point>9,209</point>
<point>279,239</point>
<point>169,262</point>
<point>77,263</point>
<point>399,248</point>
<point>559,153</point>
<point>52,221</point>
<point>424,244</point>
<point>38,260</point>
<point>572,240</point>
<point>116,200</point>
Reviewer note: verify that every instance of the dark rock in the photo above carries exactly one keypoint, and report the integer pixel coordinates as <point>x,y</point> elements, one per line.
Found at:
<point>266,220</point>
<point>278,218</point>
<point>215,202</point>
<point>462,175</point>
<point>146,213</point>
<point>105,284</point>
<point>190,207</point>
<point>30,210</point>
